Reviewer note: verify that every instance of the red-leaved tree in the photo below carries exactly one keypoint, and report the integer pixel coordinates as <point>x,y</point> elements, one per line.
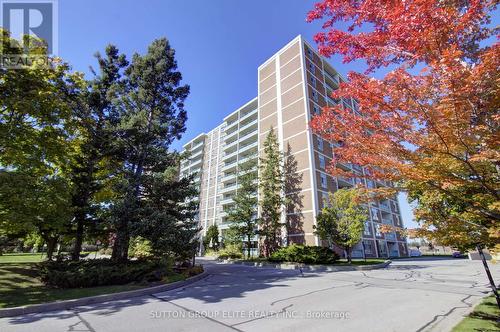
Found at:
<point>431,123</point>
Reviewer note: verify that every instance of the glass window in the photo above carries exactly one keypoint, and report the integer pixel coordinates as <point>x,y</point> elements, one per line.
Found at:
<point>323,180</point>
<point>367,230</point>
<point>315,96</point>
<point>311,67</point>
<point>322,162</point>
<point>316,110</point>
<point>320,143</point>
<point>377,230</point>
<point>313,81</point>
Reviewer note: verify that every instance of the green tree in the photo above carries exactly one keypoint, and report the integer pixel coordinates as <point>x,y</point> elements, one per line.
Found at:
<point>90,166</point>
<point>167,214</point>
<point>243,214</point>
<point>152,116</point>
<point>342,222</point>
<point>37,135</point>
<point>211,239</point>
<point>271,186</point>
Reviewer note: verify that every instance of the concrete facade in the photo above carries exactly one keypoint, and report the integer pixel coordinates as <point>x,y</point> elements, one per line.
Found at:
<point>293,85</point>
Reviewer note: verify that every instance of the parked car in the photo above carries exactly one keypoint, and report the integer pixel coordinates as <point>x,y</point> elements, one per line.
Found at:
<point>457,254</point>
<point>415,253</point>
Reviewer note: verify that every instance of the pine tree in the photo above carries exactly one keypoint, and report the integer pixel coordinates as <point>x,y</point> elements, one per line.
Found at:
<point>243,215</point>
<point>152,116</point>
<point>271,186</point>
<point>90,166</point>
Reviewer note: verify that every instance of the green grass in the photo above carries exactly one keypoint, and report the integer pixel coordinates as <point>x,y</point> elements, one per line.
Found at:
<point>22,258</point>
<point>484,317</point>
<point>20,286</point>
<point>369,261</point>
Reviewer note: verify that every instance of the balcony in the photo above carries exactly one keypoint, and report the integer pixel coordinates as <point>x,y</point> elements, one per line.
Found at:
<point>229,166</point>
<point>229,155</point>
<point>248,115</point>
<point>229,136</point>
<point>197,145</point>
<point>228,177</point>
<point>228,188</point>
<point>229,147</point>
<point>332,80</point>
<point>231,125</point>
<point>247,147</point>
<point>248,125</point>
<point>226,201</point>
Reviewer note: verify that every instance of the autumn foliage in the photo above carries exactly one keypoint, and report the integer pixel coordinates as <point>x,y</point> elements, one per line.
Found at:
<point>430,124</point>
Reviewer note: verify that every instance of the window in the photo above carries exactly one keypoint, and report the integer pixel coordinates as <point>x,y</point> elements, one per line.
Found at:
<point>315,96</point>
<point>367,229</point>
<point>374,214</point>
<point>322,162</point>
<point>320,143</point>
<point>309,52</point>
<point>311,67</point>
<point>368,247</point>
<point>326,201</point>
<point>323,181</point>
<point>313,81</point>
<point>377,230</point>
<point>316,110</point>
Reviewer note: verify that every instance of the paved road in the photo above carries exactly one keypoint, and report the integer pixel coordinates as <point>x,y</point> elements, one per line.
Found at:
<point>410,295</point>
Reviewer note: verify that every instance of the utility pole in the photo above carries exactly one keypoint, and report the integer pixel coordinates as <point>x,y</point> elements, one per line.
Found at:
<point>488,273</point>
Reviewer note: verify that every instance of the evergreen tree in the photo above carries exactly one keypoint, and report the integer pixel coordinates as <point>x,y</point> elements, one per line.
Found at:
<point>271,185</point>
<point>152,116</point>
<point>342,222</point>
<point>90,167</point>
<point>243,215</point>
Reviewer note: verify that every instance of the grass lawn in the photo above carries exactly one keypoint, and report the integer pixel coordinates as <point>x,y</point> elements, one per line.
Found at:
<point>369,261</point>
<point>19,284</point>
<point>484,317</point>
<point>22,258</point>
<point>340,262</point>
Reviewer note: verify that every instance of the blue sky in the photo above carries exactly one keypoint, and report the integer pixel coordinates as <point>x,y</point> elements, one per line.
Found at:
<point>219,45</point>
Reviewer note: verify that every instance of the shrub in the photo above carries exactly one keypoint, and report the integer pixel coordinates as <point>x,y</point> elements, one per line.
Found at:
<point>232,251</point>
<point>100,272</point>
<point>305,254</point>
<point>140,248</point>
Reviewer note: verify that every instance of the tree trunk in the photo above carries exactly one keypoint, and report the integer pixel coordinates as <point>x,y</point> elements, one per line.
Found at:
<point>249,243</point>
<point>77,249</point>
<point>51,245</point>
<point>349,258</point>
<point>120,247</point>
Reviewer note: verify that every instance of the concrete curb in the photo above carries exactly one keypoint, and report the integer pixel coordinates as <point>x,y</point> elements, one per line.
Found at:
<point>309,267</point>
<point>67,304</point>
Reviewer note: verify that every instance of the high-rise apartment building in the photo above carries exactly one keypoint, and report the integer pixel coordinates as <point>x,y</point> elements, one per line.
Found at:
<point>293,85</point>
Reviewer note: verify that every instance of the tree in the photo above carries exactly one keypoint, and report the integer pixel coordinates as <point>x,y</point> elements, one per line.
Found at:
<point>243,215</point>
<point>211,239</point>
<point>342,222</point>
<point>37,134</point>
<point>151,110</point>
<point>271,188</point>
<point>167,215</point>
<point>90,166</point>
<point>430,124</point>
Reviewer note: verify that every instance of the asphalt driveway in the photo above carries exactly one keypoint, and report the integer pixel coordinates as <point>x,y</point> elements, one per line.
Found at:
<point>409,295</point>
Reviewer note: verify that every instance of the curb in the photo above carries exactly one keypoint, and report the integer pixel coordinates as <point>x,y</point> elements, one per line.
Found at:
<point>67,304</point>
<point>307,267</point>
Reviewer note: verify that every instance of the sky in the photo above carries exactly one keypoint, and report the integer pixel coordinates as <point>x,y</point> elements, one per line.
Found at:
<point>219,45</point>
